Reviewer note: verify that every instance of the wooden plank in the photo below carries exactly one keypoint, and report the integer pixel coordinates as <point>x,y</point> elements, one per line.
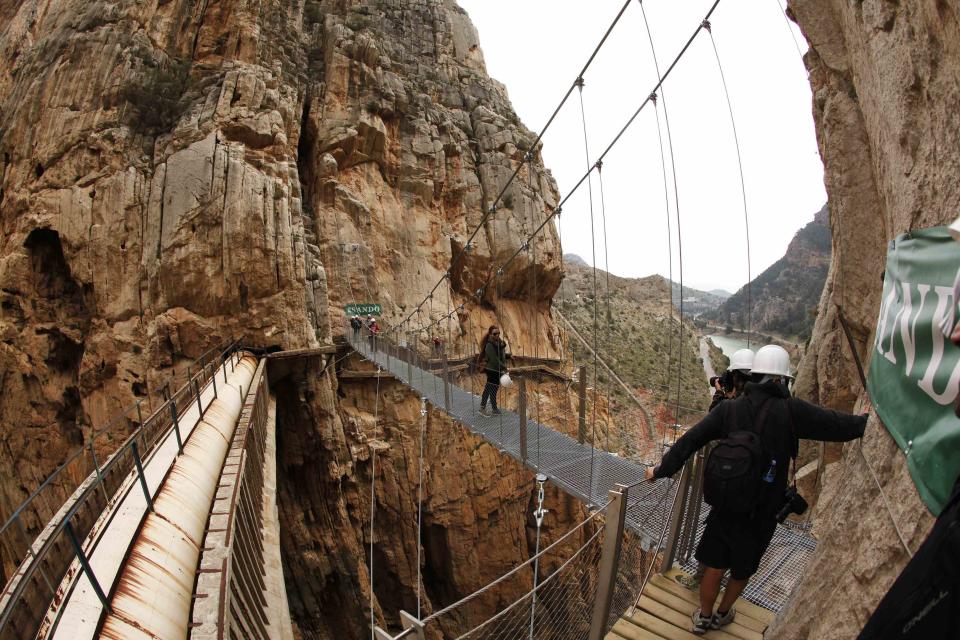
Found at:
<point>687,607</point>
<point>660,627</point>
<point>743,607</point>
<point>304,353</point>
<point>625,629</point>
<point>363,375</point>
<point>681,618</point>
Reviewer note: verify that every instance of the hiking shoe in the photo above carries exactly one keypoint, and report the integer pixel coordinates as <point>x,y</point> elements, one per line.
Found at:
<point>485,412</point>
<point>690,582</point>
<point>496,412</point>
<point>701,624</point>
<point>724,620</point>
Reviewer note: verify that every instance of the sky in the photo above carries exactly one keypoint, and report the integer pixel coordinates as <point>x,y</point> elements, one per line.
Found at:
<point>537,47</point>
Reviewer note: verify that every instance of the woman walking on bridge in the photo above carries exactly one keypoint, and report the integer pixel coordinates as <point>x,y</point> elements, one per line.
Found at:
<point>493,355</point>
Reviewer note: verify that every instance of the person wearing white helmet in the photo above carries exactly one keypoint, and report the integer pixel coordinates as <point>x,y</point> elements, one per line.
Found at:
<point>746,476</point>
<point>730,384</point>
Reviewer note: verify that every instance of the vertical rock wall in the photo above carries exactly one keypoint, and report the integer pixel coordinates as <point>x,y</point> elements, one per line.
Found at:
<point>886,82</point>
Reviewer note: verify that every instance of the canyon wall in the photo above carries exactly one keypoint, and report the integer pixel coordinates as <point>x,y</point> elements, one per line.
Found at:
<point>886,82</point>
<point>176,173</point>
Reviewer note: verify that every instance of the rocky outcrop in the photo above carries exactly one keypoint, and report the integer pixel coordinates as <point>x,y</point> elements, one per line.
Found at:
<point>179,172</point>
<point>885,82</point>
<point>783,299</point>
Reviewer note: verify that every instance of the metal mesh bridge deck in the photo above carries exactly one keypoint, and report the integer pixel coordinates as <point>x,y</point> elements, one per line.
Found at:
<point>588,473</point>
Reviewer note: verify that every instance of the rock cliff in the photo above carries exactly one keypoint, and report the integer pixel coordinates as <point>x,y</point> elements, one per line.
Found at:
<point>178,172</point>
<point>886,82</point>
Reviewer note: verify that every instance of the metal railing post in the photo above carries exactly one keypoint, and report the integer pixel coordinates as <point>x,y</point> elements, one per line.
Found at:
<point>446,382</point>
<point>582,409</point>
<point>609,560</point>
<point>522,411</point>
<point>176,425</point>
<point>82,557</point>
<point>410,622</point>
<point>676,519</point>
<point>693,510</point>
<point>196,391</point>
<point>96,465</point>
<point>213,378</point>
<point>143,478</point>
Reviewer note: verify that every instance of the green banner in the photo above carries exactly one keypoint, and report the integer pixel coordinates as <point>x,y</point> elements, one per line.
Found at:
<point>364,309</point>
<point>914,368</point>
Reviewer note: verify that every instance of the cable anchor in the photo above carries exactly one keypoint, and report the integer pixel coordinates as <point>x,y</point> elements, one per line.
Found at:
<point>706,25</point>
<point>653,98</point>
<point>578,83</point>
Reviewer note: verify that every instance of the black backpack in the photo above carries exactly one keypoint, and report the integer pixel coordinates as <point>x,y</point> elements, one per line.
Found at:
<point>733,474</point>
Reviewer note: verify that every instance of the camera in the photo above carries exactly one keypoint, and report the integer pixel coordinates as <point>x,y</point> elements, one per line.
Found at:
<point>727,381</point>
<point>793,502</point>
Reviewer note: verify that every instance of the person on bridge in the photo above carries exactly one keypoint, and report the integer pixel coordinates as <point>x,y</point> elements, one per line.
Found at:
<point>494,365</point>
<point>355,324</point>
<point>759,434</point>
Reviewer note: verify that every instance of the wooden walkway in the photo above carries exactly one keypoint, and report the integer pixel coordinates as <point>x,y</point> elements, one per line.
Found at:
<point>665,611</point>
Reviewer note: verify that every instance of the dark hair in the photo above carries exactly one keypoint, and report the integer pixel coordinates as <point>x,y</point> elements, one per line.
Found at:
<point>486,337</point>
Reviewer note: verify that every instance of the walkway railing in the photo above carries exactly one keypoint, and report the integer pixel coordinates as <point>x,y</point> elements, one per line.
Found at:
<point>45,556</point>
<point>573,589</point>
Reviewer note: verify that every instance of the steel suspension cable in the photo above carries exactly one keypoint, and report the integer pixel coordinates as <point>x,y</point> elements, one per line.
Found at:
<point>786,21</point>
<point>423,429</point>
<point>743,185</point>
<point>593,249</point>
<point>608,318</point>
<point>676,190</point>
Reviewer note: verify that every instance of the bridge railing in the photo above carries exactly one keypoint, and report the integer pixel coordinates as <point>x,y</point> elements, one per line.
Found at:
<point>230,594</point>
<point>42,540</point>
<point>573,589</point>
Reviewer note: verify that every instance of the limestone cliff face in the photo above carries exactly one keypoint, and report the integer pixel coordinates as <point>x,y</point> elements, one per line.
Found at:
<point>178,172</point>
<point>886,83</point>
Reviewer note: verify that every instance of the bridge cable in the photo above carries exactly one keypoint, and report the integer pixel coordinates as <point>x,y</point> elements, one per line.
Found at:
<point>490,210</point>
<point>669,324</point>
<point>786,21</point>
<point>593,249</point>
<point>676,191</point>
<point>608,318</point>
<point>743,186</point>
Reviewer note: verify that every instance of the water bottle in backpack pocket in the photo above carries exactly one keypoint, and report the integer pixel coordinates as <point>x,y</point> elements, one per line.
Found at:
<point>735,472</point>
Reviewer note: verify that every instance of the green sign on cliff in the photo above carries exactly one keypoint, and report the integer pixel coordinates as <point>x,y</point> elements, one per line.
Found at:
<point>364,309</point>
<point>914,368</point>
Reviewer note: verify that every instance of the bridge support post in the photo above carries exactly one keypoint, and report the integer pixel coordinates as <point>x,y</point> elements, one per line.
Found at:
<point>141,475</point>
<point>196,391</point>
<point>213,377</point>
<point>609,560</point>
<point>676,518</point>
<point>522,411</point>
<point>446,382</point>
<point>582,409</point>
<point>82,557</point>
<point>174,417</point>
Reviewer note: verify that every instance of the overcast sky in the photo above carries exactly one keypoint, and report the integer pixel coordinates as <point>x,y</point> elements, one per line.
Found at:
<point>536,48</point>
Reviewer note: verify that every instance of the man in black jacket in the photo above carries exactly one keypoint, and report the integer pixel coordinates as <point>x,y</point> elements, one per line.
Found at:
<point>736,541</point>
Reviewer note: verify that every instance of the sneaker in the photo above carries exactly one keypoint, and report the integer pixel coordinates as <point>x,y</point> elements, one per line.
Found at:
<point>724,620</point>
<point>485,412</point>
<point>701,624</point>
<point>496,412</point>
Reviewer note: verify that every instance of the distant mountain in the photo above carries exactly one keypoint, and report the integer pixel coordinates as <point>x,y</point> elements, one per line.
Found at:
<point>572,258</point>
<point>786,295</point>
<point>720,293</point>
<point>639,337</point>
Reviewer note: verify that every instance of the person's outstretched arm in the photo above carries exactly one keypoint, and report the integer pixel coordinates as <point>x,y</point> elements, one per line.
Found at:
<point>817,423</point>
<point>710,428</point>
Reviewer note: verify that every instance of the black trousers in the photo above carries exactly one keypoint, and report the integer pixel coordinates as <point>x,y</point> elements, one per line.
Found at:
<point>490,389</point>
<point>923,602</point>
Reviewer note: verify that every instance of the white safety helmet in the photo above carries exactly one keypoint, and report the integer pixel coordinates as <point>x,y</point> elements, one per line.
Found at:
<point>772,360</point>
<point>955,229</point>
<point>742,360</point>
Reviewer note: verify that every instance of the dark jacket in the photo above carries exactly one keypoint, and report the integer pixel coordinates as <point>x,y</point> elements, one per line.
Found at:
<point>494,357</point>
<point>718,397</point>
<point>787,420</point>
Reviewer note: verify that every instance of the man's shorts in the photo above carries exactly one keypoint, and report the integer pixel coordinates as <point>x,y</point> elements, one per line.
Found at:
<point>735,542</point>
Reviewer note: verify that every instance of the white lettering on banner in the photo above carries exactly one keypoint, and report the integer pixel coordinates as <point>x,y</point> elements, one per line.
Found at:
<point>908,337</point>
<point>942,316</point>
<point>897,325</point>
<point>882,322</point>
